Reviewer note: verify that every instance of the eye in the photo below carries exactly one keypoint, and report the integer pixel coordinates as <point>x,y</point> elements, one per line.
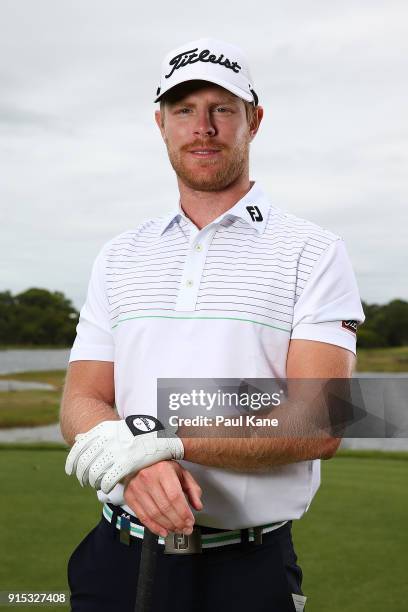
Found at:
<point>183,111</point>
<point>223,110</point>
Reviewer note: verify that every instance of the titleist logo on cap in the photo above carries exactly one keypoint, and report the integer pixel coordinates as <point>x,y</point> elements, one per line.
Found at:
<point>191,57</point>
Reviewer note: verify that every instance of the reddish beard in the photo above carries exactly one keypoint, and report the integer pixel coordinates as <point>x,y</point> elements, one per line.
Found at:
<point>209,174</point>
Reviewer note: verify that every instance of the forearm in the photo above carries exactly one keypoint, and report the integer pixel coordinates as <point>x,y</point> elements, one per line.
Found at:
<point>256,454</point>
<point>79,414</point>
<point>302,431</point>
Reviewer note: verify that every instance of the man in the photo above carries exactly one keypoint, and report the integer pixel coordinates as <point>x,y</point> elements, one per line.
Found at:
<point>226,286</point>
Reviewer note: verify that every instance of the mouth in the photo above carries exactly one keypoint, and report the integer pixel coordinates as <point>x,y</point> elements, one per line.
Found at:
<point>205,153</point>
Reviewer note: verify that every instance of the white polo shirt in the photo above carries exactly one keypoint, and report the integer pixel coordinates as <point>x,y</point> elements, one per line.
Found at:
<point>167,300</point>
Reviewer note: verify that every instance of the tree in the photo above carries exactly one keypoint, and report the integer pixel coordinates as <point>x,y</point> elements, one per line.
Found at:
<point>385,325</point>
<point>37,317</point>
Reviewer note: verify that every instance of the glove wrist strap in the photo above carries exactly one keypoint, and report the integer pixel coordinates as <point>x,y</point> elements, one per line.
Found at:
<point>142,424</point>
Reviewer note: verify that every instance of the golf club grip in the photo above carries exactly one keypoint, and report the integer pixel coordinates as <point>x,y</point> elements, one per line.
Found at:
<point>147,569</point>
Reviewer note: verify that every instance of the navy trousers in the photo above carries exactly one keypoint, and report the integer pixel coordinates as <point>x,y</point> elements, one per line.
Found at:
<point>103,573</point>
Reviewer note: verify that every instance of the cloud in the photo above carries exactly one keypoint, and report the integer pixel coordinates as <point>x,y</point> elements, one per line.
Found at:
<point>83,159</point>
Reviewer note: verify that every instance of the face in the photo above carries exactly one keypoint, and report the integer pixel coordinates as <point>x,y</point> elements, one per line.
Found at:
<point>207,136</point>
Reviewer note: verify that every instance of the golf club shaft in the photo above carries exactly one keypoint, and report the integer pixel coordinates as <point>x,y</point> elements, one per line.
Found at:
<point>145,583</point>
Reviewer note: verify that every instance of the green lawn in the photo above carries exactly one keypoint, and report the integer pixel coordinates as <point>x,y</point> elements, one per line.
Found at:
<point>40,525</point>
<point>32,407</point>
<point>391,359</point>
<point>51,377</point>
<point>352,544</point>
<point>29,408</point>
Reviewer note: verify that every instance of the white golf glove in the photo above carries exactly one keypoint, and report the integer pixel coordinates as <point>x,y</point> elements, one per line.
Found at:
<point>111,450</point>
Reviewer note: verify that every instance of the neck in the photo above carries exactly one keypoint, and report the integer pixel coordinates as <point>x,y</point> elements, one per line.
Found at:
<point>202,207</point>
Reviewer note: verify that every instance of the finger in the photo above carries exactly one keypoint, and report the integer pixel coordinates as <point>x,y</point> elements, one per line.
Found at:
<point>87,459</point>
<point>167,510</point>
<point>138,499</point>
<point>145,489</point>
<point>192,488</point>
<point>146,509</point>
<point>97,484</point>
<point>100,465</point>
<point>116,472</point>
<point>74,454</point>
<point>174,493</point>
<point>98,470</point>
<point>154,527</point>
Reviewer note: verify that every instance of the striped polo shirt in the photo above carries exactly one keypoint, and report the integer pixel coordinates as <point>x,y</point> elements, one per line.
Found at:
<point>167,300</point>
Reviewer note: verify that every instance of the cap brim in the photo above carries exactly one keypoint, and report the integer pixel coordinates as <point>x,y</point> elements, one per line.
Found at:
<point>241,93</point>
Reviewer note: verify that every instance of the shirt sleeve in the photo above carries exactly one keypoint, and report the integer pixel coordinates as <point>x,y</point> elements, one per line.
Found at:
<point>94,339</point>
<point>329,307</point>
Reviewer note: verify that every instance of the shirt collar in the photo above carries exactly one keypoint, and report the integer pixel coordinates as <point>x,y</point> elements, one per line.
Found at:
<point>253,209</point>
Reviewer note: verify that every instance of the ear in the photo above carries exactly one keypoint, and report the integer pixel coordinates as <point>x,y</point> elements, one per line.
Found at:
<point>158,119</point>
<point>256,122</point>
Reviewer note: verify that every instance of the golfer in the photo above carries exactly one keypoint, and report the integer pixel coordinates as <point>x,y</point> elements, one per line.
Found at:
<point>227,285</point>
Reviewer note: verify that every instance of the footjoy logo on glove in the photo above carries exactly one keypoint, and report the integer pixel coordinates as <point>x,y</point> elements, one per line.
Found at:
<point>142,423</point>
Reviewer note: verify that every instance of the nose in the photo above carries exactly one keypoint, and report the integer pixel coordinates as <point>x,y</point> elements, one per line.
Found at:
<point>203,125</point>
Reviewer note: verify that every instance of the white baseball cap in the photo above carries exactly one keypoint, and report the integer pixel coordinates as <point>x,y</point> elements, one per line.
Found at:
<point>210,60</point>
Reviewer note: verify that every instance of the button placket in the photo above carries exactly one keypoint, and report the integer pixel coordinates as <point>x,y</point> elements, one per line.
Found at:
<point>193,267</point>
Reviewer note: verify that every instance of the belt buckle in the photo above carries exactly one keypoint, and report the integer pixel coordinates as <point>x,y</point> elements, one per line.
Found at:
<point>181,544</point>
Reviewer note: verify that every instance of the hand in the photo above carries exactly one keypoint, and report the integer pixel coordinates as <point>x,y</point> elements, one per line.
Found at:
<point>112,449</point>
<point>156,495</point>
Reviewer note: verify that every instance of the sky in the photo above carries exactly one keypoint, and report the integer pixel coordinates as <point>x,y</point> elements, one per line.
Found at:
<point>82,160</point>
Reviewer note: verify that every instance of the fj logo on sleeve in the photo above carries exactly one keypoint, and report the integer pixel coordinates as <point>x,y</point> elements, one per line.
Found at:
<point>255,213</point>
<point>350,325</point>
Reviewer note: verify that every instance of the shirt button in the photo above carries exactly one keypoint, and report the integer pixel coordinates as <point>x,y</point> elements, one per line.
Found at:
<point>189,283</point>
<point>198,247</point>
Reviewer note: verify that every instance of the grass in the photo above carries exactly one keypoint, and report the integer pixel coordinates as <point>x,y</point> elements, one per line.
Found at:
<point>51,377</point>
<point>32,407</point>
<point>392,359</point>
<point>44,515</point>
<point>28,408</point>
<point>351,544</point>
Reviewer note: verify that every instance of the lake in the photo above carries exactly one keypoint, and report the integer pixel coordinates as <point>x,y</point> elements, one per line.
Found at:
<point>23,360</point>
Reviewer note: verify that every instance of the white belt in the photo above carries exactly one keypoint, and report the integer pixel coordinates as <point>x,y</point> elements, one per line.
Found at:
<point>209,540</point>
